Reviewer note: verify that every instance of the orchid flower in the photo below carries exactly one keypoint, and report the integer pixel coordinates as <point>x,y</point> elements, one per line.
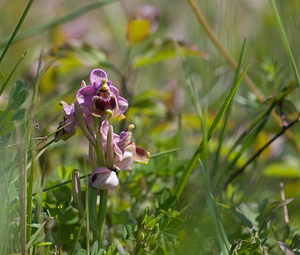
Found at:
<point>125,151</point>
<point>100,96</point>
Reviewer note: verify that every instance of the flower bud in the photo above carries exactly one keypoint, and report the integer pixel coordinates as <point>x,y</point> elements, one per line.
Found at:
<point>103,178</point>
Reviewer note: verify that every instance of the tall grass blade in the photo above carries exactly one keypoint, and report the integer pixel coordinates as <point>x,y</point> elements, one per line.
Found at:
<point>286,42</point>
<point>226,119</point>
<point>193,161</point>
<point>220,232</point>
<point>10,40</point>
<point>38,29</point>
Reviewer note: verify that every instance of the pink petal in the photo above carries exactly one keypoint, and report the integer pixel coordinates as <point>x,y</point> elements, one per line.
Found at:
<point>103,178</point>
<point>97,75</point>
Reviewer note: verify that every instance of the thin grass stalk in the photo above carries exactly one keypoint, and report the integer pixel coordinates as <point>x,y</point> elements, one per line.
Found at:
<point>286,42</point>
<point>221,235</point>
<point>9,42</point>
<point>228,111</point>
<point>29,196</point>
<point>11,73</point>
<point>38,29</point>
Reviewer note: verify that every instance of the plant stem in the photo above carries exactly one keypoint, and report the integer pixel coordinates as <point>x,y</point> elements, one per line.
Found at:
<point>99,146</point>
<point>29,196</point>
<point>22,192</point>
<point>101,214</point>
<point>242,169</point>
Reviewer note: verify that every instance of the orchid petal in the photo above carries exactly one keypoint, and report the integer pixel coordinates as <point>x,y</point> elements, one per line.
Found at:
<point>103,178</point>
<point>85,95</point>
<point>96,76</point>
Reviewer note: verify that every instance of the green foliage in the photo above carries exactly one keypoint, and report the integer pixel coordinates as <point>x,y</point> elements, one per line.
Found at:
<point>189,111</point>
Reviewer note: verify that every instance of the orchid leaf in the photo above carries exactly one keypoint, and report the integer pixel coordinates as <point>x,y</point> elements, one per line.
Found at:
<point>167,49</point>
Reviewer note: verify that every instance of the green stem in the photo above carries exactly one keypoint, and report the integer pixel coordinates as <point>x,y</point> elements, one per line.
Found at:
<point>109,149</point>
<point>101,214</point>
<point>92,196</point>
<point>29,197</point>
<point>99,147</point>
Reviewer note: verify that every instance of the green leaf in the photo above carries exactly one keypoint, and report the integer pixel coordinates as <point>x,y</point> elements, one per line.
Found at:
<point>18,115</point>
<point>167,49</point>
<point>246,247</point>
<point>242,217</point>
<point>17,95</point>
<point>127,230</point>
<point>150,222</point>
<point>16,89</point>
<point>6,125</point>
<point>285,169</point>
<point>81,252</point>
<point>94,250</point>
<point>87,54</point>
<point>44,244</point>
<point>267,210</point>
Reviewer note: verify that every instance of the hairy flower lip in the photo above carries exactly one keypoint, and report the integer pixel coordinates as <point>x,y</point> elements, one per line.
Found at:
<point>100,105</point>
<point>101,87</point>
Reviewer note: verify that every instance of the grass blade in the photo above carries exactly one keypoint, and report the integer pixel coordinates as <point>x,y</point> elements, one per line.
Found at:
<point>193,161</point>
<point>226,119</point>
<point>220,232</point>
<point>10,40</point>
<point>38,29</point>
<point>285,41</point>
